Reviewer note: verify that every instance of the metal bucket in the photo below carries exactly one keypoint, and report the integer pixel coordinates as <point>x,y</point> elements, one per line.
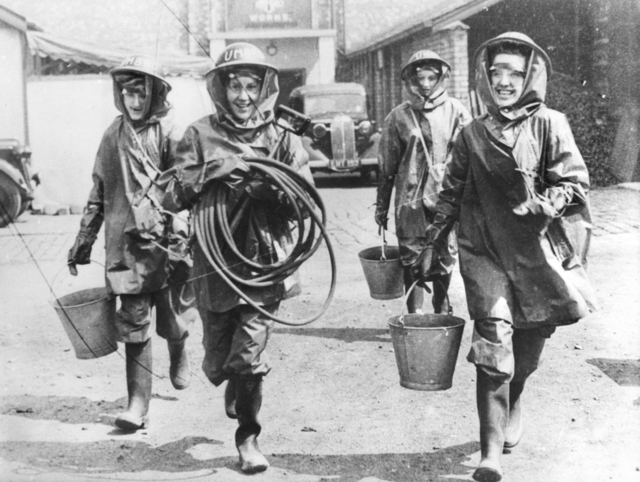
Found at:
<point>384,276</point>
<point>88,319</point>
<point>426,349</point>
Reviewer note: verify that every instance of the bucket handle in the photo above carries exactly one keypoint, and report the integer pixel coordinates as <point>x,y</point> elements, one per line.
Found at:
<point>383,256</point>
<point>406,298</point>
<point>55,278</point>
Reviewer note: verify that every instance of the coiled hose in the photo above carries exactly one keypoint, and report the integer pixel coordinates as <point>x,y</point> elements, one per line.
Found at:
<point>214,227</point>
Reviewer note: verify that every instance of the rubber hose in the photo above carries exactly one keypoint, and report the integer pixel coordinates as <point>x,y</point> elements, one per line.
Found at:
<point>214,227</point>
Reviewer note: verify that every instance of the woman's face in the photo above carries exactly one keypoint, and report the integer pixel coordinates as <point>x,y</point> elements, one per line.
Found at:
<point>242,95</point>
<point>427,80</point>
<point>507,78</point>
<point>134,103</point>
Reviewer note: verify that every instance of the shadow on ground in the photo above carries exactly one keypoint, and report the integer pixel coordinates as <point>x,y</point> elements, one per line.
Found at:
<point>625,373</point>
<point>406,467</point>
<point>121,456</point>
<point>348,335</point>
<point>74,410</point>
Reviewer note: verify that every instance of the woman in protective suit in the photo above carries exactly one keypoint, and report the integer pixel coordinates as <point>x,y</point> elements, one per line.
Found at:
<point>244,89</point>
<point>515,178</point>
<point>417,134</point>
<point>136,147</point>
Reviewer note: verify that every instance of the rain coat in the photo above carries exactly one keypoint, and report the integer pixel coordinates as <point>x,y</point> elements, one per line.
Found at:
<point>401,153</point>
<point>133,265</point>
<point>213,148</point>
<point>523,268</point>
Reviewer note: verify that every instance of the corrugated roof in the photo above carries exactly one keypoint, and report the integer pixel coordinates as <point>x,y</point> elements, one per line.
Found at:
<point>71,50</point>
<point>379,22</point>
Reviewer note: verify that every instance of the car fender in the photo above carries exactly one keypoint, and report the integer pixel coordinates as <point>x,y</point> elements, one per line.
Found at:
<point>317,158</point>
<point>371,151</point>
<point>15,175</point>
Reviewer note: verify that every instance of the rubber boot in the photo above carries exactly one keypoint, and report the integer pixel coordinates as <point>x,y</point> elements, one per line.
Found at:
<point>440,300</point>
<point>493,407</point>
<point>230,398</point>
<point>527,350</point>
<point>248,403</point>
<point>139,373</point>
<point>416,298</point>
<point>514,429</point>
<point>179,369</point>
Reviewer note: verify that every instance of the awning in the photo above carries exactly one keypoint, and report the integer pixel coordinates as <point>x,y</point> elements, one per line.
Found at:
<point>70,50</point>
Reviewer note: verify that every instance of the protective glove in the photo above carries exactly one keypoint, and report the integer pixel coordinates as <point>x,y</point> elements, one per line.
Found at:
<point>181,186</point>
<point>80,252</point>
<point>262,191</point>
<point>424,268</point>
<point>383,200</point>
<point>288,210</point>
<point>540,210</point>
<point>438,231</point>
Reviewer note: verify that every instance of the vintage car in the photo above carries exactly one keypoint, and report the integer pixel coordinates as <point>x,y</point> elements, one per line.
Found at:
<point>340,137</point>
<point>17,182</point>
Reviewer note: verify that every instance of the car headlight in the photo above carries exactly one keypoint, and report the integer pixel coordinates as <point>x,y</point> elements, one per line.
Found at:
<point>365,128</point>
<point>319,130</point>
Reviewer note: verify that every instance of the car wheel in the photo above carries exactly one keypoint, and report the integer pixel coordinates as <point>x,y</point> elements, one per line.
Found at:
<point>9,200</point>
<point>23,207</point>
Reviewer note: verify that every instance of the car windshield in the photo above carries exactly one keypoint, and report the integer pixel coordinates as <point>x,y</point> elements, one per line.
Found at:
<point>323,105</point>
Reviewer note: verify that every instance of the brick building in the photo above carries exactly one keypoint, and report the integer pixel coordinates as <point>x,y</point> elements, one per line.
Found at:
<point>312,41</point>
<point>596,42</point>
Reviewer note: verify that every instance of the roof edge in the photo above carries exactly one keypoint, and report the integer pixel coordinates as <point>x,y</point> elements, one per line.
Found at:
<point>13,19</point>
<point>436,23</point>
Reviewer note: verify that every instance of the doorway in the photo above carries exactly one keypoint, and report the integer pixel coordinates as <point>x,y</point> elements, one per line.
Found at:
<point>289,80</point>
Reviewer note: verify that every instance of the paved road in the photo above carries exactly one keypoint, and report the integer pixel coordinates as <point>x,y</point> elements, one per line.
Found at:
<point>346,417</point>
<point>350,207</point>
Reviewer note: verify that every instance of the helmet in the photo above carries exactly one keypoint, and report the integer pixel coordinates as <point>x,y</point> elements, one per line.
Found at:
<point>141,64</point>
<point>241,53</point>
<point>423,56</point>
<point>519,38</point>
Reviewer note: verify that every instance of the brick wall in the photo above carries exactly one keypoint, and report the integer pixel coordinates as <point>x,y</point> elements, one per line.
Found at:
<point>383,82</point>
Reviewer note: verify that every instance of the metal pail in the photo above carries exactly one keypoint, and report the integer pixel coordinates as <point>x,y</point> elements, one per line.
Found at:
<point>426,349</point>
<point>88,319</point>
<point>384,276</point>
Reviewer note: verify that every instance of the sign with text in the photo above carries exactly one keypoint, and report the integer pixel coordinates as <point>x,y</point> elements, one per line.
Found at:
<point>255,14</point>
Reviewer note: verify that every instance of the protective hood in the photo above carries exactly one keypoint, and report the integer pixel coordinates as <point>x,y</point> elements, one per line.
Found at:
<point>435,98</point>
<point>439,93</point>
<point>156,105</point>
<point>265,103</point>
<point>538,70</point>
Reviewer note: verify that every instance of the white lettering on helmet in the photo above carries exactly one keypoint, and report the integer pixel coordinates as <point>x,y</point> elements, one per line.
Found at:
<point>237,53</point>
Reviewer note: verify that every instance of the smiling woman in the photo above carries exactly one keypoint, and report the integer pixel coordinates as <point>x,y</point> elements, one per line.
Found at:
<point>507,78</point>
<point>243,87</point>
<point>507,72</point>
<point>134,98</point>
